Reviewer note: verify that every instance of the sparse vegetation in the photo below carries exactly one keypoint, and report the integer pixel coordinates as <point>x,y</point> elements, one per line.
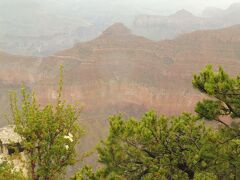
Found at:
<point>49,134</point>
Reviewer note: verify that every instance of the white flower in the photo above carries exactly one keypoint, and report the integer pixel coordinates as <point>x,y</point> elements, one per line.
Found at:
<point>69,137</point>
<point>67,147</point>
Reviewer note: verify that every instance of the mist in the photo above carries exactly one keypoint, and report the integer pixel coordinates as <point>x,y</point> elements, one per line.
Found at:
<point>39,27</point>
<point>162,7</point>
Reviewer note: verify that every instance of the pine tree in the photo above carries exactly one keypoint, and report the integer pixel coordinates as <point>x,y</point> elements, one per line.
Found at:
<point>155,148</point>
<point>223,103</point>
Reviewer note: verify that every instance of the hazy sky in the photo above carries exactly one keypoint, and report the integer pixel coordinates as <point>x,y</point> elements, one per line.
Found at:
<point>186,4</point>
<point>118,10</point>
<point>162,6</point>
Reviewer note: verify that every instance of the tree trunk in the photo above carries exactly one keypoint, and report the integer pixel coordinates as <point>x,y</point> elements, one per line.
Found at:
<point>34,177</point>
<point>33,166</point>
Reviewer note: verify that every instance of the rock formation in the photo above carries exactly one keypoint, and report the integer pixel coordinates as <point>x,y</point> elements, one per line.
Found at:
<point>121,72</point>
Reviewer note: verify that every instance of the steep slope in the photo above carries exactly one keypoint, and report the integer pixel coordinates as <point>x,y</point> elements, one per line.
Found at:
<point>168,27</point>
<point>121,72</point>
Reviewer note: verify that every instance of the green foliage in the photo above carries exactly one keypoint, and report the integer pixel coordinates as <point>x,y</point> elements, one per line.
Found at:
<point>49,134</point>
<point>209,109</point>
<point>223,90</point>
<point>87,173</point>
<point>205,176</point>
<point>224,93</point>
<point>178,147</point>
<point>156,148</point>
<point>7,172</point>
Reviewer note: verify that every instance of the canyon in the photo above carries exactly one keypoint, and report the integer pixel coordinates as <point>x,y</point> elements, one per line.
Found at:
<point>42,28</point>
<point>119,72</point>
<point>158,27</point>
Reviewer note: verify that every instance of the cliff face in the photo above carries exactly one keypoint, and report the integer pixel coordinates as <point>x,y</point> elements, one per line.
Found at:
<point>158,27</point>
<point>121,72</point>
<point>169,27</point>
